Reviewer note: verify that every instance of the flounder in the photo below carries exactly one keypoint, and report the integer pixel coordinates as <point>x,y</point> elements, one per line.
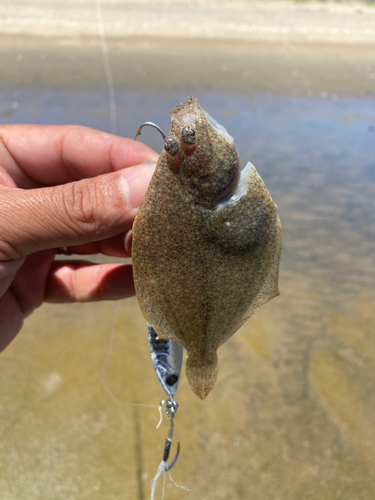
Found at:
<point>206,242</point>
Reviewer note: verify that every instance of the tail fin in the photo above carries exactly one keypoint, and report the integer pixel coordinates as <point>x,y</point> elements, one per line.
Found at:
<point>201,373</point>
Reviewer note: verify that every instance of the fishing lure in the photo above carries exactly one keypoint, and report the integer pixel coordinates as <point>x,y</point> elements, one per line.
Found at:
<point>166,356</point>
<point>206,243</point>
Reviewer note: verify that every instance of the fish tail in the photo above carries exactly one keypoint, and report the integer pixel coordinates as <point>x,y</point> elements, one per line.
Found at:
<point>201,373</point>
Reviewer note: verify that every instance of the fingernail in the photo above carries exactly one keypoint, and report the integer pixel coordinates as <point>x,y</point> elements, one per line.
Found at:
<point>135,181</point>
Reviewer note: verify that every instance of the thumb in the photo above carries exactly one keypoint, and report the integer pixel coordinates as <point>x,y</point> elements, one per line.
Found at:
<point>70,214</point>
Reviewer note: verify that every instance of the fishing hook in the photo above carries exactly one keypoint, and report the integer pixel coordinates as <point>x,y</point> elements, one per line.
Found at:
<point>148,124</point>
<point>171,408</point>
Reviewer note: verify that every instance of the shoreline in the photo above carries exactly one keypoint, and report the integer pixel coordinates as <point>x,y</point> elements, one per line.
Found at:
<point>153,64</point>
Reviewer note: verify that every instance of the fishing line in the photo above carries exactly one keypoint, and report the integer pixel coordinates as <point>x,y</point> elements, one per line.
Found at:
<point>161,469</point>
<point>174,482</point>
<point>107,67</point>
<point>154,482</point>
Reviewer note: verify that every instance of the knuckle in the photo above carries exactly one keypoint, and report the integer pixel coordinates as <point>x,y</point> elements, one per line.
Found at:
<point>80,201</point>
<point>8,237</point>
<point>8,251</point>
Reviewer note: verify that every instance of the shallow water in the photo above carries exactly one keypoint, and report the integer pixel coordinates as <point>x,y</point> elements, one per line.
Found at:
<point>293,412</point>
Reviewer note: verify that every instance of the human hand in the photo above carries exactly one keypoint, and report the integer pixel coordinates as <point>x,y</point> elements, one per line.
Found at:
<point>62,186</point>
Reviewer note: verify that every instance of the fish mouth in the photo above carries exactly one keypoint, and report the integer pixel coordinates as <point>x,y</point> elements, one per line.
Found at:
<point>188,114</point>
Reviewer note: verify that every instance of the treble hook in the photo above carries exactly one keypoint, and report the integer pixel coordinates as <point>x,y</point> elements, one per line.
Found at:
<point>148,124</point>
<point>171,408</point>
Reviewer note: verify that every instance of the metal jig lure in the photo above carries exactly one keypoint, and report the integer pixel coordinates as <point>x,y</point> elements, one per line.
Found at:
<point>166,356</point>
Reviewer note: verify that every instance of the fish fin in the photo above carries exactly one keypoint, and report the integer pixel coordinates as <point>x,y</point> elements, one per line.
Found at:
<point>201,373</point>
<point>269,288</point>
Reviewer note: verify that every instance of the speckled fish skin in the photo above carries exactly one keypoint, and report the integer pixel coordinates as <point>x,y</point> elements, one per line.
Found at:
<point>203,262</point>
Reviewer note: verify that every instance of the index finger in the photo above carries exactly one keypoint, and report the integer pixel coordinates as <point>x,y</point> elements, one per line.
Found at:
<point>36,155</point>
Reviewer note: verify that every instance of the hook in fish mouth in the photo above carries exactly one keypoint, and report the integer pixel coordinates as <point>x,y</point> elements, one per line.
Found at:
<point>149,124</point>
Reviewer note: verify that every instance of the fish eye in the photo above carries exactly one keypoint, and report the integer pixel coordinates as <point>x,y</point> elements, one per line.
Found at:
<point>171,145</point>
<point>188,135</point>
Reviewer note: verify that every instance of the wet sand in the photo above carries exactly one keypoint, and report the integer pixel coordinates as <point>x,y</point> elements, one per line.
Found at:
<point>181,65</point>
<point>293,413</point>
